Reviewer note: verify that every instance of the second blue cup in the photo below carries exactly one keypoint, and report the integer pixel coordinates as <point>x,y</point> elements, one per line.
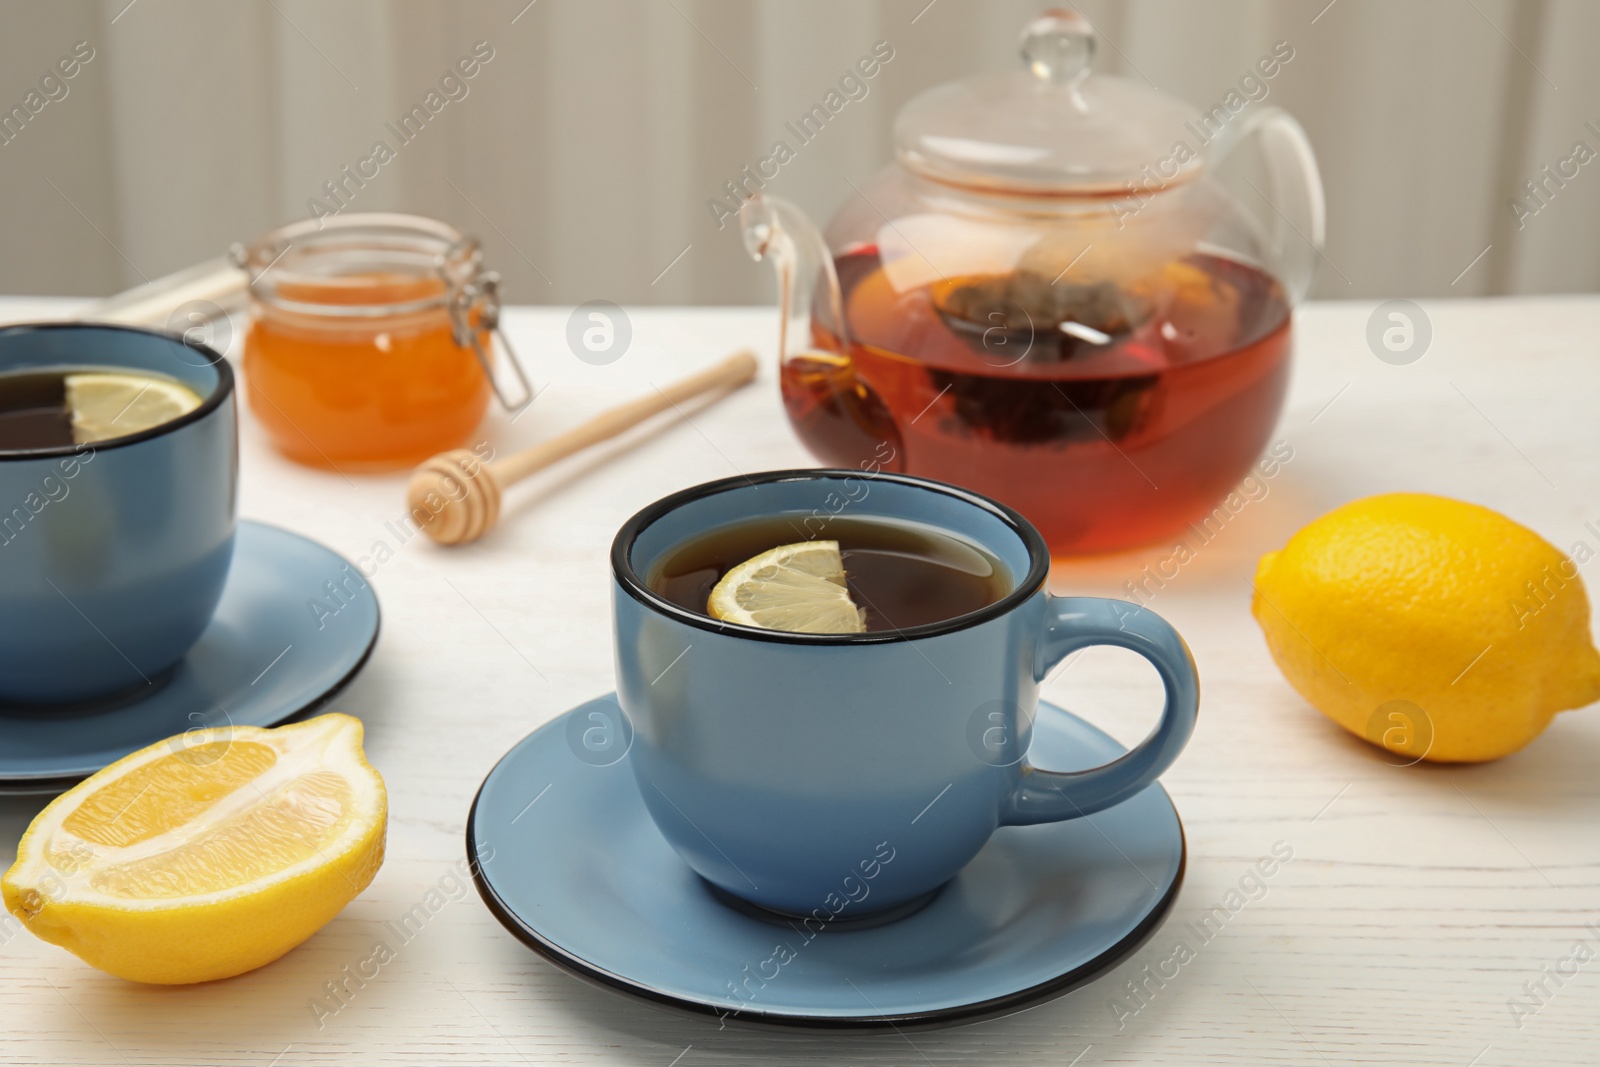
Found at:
<point>850,774</point>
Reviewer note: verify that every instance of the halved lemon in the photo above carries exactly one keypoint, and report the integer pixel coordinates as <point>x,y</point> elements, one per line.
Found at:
<point>799,587</point>
<point>206,855</point>
<point>105,405</point>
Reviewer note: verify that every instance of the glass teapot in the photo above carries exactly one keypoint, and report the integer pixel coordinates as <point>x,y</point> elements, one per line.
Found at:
<point>1050,298</point>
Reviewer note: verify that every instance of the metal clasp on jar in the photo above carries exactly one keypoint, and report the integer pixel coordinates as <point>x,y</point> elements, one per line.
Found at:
<point>480,294</point>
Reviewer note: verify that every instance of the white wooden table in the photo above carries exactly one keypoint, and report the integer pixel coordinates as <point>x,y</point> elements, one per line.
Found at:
<point>1417,904</point>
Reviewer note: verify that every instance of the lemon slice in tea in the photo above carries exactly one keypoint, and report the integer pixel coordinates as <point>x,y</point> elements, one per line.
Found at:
<point>206,855</point>
<point>106,405</point>
<point>799,587</point>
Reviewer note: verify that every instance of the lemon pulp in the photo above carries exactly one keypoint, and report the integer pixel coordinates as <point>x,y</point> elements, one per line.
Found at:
<point>106,405</point>
<point>206,855</point>
<point>800,588</point>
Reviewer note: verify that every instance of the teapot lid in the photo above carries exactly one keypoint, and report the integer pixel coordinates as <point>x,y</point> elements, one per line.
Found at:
<point>1051,128</point>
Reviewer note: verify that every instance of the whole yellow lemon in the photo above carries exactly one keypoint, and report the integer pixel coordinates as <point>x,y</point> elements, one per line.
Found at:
<point>1431,627</point>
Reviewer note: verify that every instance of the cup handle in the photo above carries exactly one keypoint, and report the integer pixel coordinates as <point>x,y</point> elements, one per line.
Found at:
<point>1077,622</point>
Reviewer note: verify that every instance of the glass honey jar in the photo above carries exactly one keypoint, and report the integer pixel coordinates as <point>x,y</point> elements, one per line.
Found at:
<point>369,342</point>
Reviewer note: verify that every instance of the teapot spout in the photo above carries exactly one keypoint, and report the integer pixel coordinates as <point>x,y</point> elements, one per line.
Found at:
<point>778,231</point>
<point>834,411</point>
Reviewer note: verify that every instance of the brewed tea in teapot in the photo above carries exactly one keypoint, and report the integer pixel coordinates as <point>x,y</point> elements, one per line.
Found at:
<point>1048,301</point>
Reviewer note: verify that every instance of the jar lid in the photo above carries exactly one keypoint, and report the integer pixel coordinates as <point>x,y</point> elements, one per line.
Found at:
<point>1052,128</point>
<point>340,258</point>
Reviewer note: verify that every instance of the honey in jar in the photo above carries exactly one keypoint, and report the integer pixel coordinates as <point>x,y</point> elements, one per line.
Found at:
<point>369,340</point>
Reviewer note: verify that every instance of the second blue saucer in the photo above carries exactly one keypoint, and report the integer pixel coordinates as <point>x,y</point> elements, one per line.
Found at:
<point>295,623</point>
<point>566,857</point>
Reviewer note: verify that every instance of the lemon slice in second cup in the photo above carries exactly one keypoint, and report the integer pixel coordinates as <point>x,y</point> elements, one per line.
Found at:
<point>800,588</point>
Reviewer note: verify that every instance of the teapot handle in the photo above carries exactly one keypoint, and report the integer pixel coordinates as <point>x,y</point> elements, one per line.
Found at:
<point>1299,223</point>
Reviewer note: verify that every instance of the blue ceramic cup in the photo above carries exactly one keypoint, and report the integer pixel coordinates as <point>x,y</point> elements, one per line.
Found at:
<point>837,776</point>
<point>113,555</point>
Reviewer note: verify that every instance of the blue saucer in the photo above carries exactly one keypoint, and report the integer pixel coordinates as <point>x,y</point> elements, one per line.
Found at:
<point>566,857</point>
<point>269,654</point>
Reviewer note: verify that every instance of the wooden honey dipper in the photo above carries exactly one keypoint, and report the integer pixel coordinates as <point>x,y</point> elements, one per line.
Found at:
<point>470,489</point>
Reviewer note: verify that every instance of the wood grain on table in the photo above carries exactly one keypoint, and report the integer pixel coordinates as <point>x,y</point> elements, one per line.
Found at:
<point>1419,905</point>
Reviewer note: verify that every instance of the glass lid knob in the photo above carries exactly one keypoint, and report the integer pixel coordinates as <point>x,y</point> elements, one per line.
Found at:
<point>1058,46</point>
